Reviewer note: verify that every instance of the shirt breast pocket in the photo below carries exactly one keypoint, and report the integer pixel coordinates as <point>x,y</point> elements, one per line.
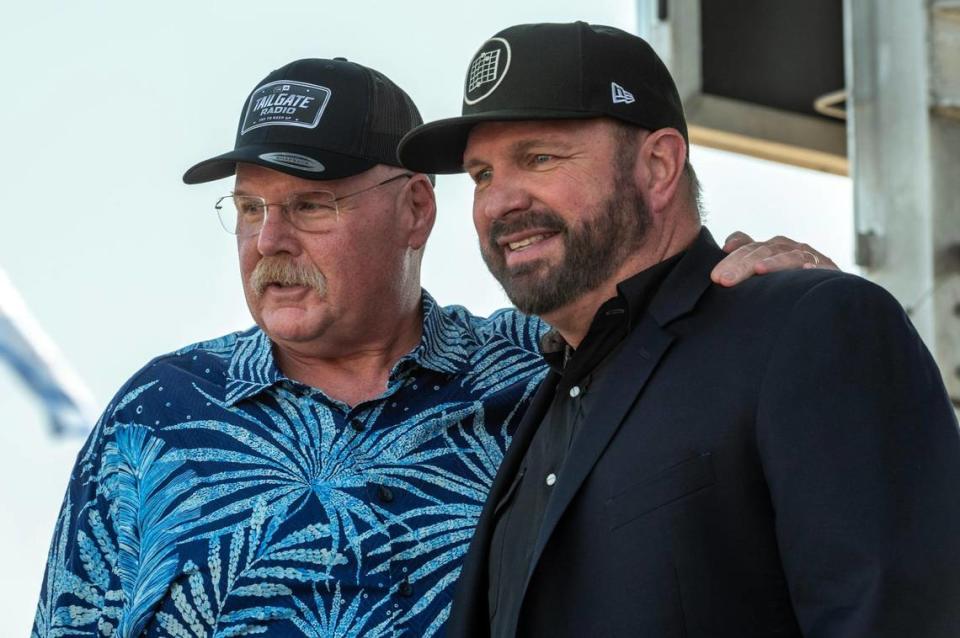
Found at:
<point>670,485</point>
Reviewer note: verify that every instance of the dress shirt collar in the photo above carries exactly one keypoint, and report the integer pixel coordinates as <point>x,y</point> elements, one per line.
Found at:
<point>613,320</point>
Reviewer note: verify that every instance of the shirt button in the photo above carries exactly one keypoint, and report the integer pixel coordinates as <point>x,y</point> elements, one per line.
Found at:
<point>356,424</point>
<point>385,494</point>
<point>551,479</point>
<point>575,391</point>
<point>405,589</point>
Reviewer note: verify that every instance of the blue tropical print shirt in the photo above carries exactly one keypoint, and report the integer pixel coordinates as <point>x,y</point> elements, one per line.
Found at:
<point>218,498</point>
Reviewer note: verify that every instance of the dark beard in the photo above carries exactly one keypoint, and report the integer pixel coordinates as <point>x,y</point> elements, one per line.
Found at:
<point>592,252</point>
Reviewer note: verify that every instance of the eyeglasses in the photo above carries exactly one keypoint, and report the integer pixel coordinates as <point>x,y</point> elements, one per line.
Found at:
<point>311,212</point>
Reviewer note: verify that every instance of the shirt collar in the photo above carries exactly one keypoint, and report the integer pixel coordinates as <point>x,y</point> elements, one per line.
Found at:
<point>633,297</point>
<point>253,368</point>
<point>441,346</point>
<point>638,291</point>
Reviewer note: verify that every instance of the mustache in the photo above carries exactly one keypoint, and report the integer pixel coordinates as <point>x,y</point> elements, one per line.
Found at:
<point>286,272</point>
<point>544,219</point>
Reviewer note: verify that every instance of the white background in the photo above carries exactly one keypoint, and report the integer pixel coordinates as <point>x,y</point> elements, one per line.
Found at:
<point>105,104</point>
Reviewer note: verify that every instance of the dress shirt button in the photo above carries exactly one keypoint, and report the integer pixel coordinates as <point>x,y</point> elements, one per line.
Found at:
<point>575,391</point>
<point>405,589</point>
<point>356,424</point>
<point>551,479</point>
<point>385,494</point>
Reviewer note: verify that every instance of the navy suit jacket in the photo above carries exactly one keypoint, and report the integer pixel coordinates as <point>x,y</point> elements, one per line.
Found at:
<point>775,459</point>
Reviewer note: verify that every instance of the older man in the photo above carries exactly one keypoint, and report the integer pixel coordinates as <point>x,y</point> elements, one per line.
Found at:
<point>321,473</point>
<point>692,466</point>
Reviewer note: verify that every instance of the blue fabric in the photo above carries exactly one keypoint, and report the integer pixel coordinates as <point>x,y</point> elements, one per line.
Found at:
<point>216,497</point>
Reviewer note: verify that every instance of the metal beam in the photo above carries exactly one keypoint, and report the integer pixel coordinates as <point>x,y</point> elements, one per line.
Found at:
<point>903,79</point>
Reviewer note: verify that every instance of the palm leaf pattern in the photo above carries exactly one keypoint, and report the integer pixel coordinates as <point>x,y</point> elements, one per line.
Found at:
<point>217,498</point>
<point>149,520</point>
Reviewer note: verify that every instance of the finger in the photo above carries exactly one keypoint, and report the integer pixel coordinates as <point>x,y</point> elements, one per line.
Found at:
<point>758,258</point>
<point>739,264</point>
<point>792,260</point>
<point>819,259</point>
<point>813,257</point>
<point>736,240</point>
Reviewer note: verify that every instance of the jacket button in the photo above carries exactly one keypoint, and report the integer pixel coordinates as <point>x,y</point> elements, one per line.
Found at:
<point>385,494</point>
<point>575,392</point>
<point>405,589</point>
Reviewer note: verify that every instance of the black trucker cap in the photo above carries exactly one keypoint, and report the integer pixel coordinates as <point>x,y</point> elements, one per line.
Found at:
<point>551,72</point>
<point>317,119</point>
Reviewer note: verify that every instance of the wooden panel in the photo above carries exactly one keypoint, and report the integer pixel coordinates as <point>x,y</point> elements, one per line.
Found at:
<point>801,140</point>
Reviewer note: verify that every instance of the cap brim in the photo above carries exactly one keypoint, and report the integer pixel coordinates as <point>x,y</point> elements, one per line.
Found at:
<point>437,147</point>
<point>286,158</point>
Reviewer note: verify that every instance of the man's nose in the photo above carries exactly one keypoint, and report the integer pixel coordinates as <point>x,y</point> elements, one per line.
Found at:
<point>502,196</point>
<point>276,234</point>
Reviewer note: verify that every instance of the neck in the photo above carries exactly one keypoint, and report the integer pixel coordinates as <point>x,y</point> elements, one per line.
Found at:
<point>573,320</point>
<point>358,372</point>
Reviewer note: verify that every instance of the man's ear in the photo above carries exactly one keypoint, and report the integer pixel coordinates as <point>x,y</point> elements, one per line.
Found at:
<point>663,156</point>
<point>422,206</point>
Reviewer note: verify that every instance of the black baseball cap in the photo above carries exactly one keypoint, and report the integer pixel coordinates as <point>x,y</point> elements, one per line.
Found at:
<point>317,119</point>
<point>551,72</point>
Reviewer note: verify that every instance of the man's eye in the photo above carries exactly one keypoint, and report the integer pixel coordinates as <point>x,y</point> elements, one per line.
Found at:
<point>541,158</point>
<point>311,206</point>
<point>482,175</point>
<point>249,207</point>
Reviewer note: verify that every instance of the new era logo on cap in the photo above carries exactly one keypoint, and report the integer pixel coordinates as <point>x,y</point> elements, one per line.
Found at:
<point>620,95</point>
<point>487,69</point>
<point>286,103</point>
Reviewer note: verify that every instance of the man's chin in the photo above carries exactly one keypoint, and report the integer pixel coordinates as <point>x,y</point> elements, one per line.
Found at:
<point>290,323</point>
<point>533,297</point>
<point>521,276</point>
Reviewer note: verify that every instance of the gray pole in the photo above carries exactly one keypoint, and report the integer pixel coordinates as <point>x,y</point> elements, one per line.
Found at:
<point>903,81</point>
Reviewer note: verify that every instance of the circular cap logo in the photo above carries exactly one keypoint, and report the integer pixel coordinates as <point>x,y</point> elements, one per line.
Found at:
<point>487,70</point>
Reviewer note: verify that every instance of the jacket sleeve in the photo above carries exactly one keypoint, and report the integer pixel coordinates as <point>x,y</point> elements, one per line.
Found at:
<point>860,448</point>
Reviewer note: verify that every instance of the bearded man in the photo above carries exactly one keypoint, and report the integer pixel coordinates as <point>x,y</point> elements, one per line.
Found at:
<point>775,459</point>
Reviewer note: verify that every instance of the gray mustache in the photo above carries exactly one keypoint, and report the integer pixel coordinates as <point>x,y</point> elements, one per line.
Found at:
<point>286,272</point>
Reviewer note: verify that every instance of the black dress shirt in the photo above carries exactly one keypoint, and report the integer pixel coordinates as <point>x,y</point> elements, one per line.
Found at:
<point>522,509</point>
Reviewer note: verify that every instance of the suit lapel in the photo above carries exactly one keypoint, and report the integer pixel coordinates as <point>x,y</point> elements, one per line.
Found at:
<point>632,367</point>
